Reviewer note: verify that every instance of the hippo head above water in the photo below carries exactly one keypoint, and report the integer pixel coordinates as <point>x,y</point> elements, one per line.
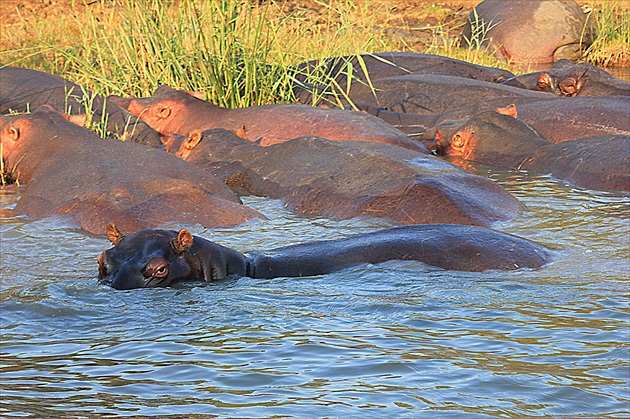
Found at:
<point>150,258</point>
<point>158,258</point>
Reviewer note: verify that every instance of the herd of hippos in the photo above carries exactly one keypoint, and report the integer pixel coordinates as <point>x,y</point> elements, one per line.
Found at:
<point>187,160</point>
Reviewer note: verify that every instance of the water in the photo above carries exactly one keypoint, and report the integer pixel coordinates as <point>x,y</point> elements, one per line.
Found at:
<point>397,339</point>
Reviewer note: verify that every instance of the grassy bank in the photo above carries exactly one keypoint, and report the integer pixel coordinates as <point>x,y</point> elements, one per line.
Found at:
<point>240,53</point>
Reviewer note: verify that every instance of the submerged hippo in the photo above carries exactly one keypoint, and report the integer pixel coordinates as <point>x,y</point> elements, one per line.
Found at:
<point>582,79</point>
<point>529,31</point>
<point>159,258</point>
<point>345,179</point>
<point>70,170</point>
<point>599,162</point>
<point>425,93</point>
<point>171,111</point>
<point>23,89</point>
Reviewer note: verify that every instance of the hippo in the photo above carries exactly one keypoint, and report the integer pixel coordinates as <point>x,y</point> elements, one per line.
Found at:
<point>369,67</point>
<point>23,89</point>
<point>171,111</point>
<point>159,258</point>
<point>595,162</point>
<point>345,179</point>
<point>529,31</point>
<point>582,79</point>
<point>556,119</point>
<point>70,170</point>
<point>425,93</point>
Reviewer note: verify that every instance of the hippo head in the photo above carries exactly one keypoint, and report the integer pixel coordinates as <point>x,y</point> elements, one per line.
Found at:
<point>166,111</point>
<point>493,137</point>
<point>568,85</point>
<point>146,259</point>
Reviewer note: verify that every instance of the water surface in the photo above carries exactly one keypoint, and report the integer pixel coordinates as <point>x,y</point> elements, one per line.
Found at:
<point>401,336</point>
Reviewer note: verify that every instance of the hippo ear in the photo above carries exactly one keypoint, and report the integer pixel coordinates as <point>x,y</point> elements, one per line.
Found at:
<point>509,110</point>
<point>183,242</point>
<point>194,138</point>
<point>544,82</point>
<point>198,95</point>
<point>13,133</point>
<point>76,119</point>
<point>242,132</point>
<point>113,234</point>
<point>162,111</point>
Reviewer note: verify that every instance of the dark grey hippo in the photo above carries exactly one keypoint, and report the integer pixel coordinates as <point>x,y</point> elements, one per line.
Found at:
<point>597,162</point>
<point>582,79</point>
<point>426,93</point>
<point>368,67</point>
<point>23,89</point>
<point>159,258</point>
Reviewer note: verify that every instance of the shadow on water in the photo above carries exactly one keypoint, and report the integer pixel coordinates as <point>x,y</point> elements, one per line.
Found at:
<point>418,341</point>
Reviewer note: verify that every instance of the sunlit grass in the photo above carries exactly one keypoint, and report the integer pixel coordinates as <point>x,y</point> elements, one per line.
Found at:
<point>239,52</point>
<point>612,25</point>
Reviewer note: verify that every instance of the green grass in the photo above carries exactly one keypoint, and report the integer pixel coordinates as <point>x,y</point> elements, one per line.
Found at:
<point>238,52</point>
<point>612,26</point>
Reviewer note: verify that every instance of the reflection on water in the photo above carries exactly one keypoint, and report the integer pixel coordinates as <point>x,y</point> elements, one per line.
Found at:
<point>418,341</point>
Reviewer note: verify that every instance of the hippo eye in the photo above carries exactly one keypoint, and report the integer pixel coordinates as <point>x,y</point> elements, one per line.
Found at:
<point>568,87</point>
<point>156,268</point>
<point>458,141</point>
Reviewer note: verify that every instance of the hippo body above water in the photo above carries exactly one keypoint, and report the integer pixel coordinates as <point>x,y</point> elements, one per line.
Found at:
<point>23,89</point>
<point>596,162</point>
<point>70,170</point>
<point>159,258</point>
<point>370,67</point>
<point>529,31</point>
<point>345,179</point>
<point>171,111</point>
<point>426,93</point>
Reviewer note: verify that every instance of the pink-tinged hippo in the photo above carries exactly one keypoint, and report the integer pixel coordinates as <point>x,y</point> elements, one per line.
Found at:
<point>345,179</point>
<point>159,258</point>
<point>381,65</point>
<point>171,111</point>
<point>424,93</point>
<point>557,120</point>
<point>529,31</point>
<point>23,89</point>
<point>599,162</point>
<point>70,170</point>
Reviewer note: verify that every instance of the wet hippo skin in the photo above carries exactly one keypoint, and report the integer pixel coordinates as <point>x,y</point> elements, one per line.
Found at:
<point>159,258</point>
<point>23,89</point>
<point>70,170</point>
<point>345,179</point>
<point>171,111</point>
<point>597,162</point>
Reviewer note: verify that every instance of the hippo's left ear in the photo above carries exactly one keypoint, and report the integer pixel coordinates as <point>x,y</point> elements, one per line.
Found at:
<point>509,110</point>
<point>113,234</point>
<point>183,242</point>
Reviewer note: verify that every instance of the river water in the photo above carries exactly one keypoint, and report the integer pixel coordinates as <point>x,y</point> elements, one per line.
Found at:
<point>397,339</point>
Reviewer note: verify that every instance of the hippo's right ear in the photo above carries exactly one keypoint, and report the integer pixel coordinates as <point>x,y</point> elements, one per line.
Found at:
<point>13,133</point>
<point>113,234</point>
<point>544,82</point>
<point>183,242</point>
